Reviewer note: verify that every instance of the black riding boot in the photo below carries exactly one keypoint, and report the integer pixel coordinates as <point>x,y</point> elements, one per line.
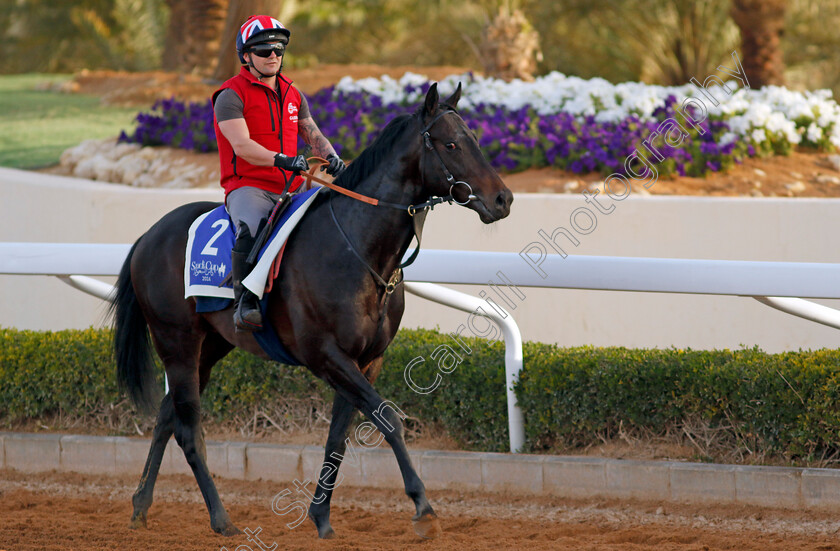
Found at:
<point>246,309</point>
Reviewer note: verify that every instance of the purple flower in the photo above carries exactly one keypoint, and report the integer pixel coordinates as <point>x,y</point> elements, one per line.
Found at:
<point>510,139</point>
<point>709,148</point>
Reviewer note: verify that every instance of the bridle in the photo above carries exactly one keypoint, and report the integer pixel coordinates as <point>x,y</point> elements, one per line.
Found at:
<point>397,276</point>
<point>410,209</point>
<point>427,142</point>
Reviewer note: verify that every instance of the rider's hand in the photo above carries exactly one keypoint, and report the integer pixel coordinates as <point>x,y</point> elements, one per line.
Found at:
<point>336,166</point>
<point>295,164</point>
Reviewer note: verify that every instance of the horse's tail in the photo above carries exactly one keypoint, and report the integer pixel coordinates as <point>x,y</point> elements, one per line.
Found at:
<point>132,345</point>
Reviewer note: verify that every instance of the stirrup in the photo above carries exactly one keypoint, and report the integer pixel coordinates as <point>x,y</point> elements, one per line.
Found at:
<point>250,319</point>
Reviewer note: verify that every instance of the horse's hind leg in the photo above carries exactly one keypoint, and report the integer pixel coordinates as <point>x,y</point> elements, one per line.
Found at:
<point>185,387</point>
<point>344,375</point>
<point>164,427</point>
<point>211,352</point>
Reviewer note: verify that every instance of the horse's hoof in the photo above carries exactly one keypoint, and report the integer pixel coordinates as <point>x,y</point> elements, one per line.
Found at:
<point>427,526</point>
<point>138,520</point>
<point>325,531</point>
<point>227,530</point>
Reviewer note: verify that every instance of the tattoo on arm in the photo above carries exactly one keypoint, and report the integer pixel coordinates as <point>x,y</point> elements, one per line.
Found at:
<point>313,137</point>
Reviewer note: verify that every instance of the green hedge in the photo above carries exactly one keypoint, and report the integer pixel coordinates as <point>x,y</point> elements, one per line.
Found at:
<point>779,405</point>
<point>782,404</point>
<point>51,372</point>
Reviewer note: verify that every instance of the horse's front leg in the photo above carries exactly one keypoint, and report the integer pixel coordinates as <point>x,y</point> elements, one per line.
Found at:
<point>342,372</point>
<point>319,511</point>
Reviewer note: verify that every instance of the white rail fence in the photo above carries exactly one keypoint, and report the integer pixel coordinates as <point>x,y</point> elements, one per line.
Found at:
<point>781,285</point>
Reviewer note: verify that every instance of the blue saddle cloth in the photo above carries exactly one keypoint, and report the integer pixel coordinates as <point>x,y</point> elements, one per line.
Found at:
<point>208,255</point>
<point>210,242</point>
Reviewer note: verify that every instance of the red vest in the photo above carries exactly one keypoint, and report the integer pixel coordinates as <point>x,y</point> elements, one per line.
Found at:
<point>272,121</point>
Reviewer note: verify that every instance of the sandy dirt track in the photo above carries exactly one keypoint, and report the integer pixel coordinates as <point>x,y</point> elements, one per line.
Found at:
<point>61,511</point>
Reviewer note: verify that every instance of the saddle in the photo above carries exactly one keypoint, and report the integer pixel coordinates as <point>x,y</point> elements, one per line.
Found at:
<point>210,241</point>
<point>207,266</point>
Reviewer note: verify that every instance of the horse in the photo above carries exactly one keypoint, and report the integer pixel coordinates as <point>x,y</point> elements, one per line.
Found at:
<point>330,306</point>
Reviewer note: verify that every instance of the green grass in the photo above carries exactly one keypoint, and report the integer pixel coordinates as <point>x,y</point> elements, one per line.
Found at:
<point>38,125</point>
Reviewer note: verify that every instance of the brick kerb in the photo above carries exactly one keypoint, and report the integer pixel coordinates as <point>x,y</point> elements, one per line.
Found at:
<point>525,474</point>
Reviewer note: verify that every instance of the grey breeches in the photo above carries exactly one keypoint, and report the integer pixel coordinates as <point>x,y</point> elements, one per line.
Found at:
<point>249,205</point>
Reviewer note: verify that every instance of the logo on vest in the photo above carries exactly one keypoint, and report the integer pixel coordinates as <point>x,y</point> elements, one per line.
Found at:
<point>292,109</point>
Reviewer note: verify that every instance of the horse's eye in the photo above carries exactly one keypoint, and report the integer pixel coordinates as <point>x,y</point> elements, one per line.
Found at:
<point>451,145</point>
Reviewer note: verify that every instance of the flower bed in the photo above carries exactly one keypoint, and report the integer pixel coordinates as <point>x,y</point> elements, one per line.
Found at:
<point>565,122</point>
<point>175,123</point>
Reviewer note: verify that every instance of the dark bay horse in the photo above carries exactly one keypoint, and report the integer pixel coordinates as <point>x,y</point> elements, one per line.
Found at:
<point>329,308</point>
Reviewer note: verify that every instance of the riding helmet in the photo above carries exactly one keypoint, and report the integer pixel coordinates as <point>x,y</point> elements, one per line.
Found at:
<point>258,29</point>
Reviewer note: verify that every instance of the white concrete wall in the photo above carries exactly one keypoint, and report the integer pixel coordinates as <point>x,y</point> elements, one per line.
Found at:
<point>36,207</point>
<point>54,209</point>
<point>769,229</point>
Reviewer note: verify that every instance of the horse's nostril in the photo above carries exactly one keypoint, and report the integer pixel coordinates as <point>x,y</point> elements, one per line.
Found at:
<point>503,199</point>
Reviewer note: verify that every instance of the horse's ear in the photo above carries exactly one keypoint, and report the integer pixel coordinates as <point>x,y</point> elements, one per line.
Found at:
<point>452,101</point>
<point>432,98</point>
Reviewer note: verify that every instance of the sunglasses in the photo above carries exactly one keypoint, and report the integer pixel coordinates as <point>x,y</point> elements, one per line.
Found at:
<point>264,50</point>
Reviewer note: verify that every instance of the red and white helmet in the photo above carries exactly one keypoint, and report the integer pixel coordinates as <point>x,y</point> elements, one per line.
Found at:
<point>258,29</point>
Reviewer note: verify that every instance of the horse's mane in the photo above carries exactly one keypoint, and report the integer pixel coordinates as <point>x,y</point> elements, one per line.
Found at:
<point>369,159</point>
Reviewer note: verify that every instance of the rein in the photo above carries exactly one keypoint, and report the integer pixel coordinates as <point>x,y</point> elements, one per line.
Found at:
<point>410,209</point>
<point>397,276</point>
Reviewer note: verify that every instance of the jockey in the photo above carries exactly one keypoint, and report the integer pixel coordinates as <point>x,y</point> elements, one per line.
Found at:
<point>259,115</point>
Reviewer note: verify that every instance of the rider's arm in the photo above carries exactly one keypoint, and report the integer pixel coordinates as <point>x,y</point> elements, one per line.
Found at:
<point>228,108</point>
<point>311,134</point>
<point>236,132</point>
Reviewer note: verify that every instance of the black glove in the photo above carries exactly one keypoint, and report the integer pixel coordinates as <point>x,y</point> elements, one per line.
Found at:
<point>336,166</point>
<point>295,164</point>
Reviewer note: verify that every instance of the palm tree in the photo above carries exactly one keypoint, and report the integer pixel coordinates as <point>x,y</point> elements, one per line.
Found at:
<point>510,46</point>
<point>192,37</point>
<point>227,63</point>
<point>761,23</point>
<point>655,41</point>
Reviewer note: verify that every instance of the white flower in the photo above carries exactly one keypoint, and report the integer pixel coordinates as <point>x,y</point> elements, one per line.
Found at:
<point>739,124</point>
<point>814,133</point>
<point>835,136</point>
<point>825,118</point>
<point>727,138</point>
<point>756,114</point>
